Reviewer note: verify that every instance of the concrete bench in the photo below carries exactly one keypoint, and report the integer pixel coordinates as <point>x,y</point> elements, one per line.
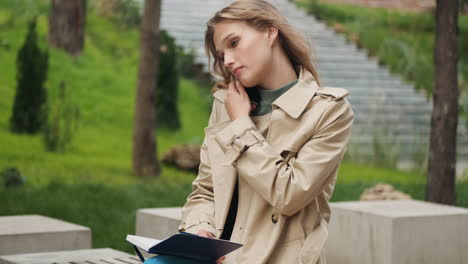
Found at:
<point>158,223</point>
<point>394,232</point>
<point>367,232</point>
<point>85,256</point>
<point>36,233</point>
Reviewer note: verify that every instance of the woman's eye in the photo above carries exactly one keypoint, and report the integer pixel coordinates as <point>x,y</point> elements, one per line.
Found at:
<point>234,43</point>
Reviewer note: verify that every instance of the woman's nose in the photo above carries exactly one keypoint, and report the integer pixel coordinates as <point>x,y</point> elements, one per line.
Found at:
<point>228,61</point>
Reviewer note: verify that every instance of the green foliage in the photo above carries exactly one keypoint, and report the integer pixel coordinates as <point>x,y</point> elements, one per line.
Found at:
<point>22,11</point>
<point>12,177</point>
<point>127,12</point>
<point>174,62</point>
<point>124,13</point>
<point>32,64</point>
<point>385,152</point>
<point>464,107</point>
<point>167,113</point>
<point>186,62</point>
<point>62,122</point>
<point>102,83</point>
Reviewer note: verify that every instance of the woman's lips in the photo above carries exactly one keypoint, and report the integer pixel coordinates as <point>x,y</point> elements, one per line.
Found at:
<point>237,72</point>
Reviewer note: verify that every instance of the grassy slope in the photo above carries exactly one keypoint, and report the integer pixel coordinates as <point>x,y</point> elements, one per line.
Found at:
<point>102,82</point>
<point>104,194</point>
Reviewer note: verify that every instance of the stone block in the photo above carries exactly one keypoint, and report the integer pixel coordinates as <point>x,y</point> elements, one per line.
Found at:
<point>395,232</point>
<point>85,256</point>
<point>36,233</point>
<point>158,223</point>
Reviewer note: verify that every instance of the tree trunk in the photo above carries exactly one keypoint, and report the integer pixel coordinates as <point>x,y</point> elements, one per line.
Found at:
<point>442,154</point>
<point>145,161</point>
<point>66,25</point>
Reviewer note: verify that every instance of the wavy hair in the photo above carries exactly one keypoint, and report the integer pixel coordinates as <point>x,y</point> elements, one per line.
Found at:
<point>261,15</point>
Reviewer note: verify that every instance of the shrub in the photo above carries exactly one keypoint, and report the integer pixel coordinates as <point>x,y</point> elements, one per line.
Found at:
<point>128,12</point>
<point>186,62</point>
<point>62,122</point>
<point>125,12</point>
<point>12,177</point>
<point>32,64</point>
<point>167,113</point>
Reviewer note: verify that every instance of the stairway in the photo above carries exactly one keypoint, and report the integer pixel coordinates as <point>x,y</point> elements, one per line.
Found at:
<point>391,118</point>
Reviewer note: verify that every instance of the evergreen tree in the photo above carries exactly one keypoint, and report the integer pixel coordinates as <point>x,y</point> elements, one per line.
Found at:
<point>167,113</point>
<point>32,64</point>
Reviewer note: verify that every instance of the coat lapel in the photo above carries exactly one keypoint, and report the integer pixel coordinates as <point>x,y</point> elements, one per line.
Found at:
<point>287,110</point>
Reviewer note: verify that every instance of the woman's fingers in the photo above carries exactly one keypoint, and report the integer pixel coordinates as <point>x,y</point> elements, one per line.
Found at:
<point>205,233</point>
<point>240,88</point>
<point>220,260</point>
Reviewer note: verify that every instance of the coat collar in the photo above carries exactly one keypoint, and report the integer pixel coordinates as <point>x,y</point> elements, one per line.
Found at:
<point>296,99</point>
<point>293,101</point>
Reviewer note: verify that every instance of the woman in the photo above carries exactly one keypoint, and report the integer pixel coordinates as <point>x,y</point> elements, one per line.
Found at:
<point>273,144</point>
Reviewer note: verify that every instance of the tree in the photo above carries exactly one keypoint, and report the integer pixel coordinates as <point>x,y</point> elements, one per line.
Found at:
<point>442,153</point>
<point>30,97</point>
<point>61,123</point>
<point>145,161</point>
<point>167,112</point>
<point>66,25</point>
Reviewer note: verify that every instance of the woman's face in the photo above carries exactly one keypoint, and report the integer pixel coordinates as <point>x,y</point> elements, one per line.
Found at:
<point>245,51</point>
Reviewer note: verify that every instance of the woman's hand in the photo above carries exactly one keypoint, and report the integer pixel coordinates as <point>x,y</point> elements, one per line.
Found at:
<point>205,233</point>
<point>237,101</point>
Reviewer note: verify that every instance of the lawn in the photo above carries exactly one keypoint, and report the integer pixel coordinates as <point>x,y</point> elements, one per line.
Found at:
<point>92,183</point>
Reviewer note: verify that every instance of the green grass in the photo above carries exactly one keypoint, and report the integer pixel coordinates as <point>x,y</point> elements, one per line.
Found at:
<point>108,210</point>
<point>92,183</point>
<point>102,83</point>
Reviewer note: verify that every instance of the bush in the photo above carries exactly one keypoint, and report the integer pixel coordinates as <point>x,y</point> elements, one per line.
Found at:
<point>167,113</point>
<point>12,177</point>
<point>62,122</point>
<point>125,12</point>
<point>128,12</point>
<point>32,64</point>
<point>186,62</point>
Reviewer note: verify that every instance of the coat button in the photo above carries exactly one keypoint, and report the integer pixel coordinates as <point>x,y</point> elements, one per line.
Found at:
<point>274,218</point>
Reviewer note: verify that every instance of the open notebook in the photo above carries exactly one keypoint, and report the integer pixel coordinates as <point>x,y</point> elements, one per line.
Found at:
<point>185,245</point>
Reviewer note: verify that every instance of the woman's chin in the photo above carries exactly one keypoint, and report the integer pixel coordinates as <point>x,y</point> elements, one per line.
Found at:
<point>246,82</point>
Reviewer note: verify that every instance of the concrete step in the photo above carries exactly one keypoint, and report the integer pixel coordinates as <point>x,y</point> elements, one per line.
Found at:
<point>376,95</point>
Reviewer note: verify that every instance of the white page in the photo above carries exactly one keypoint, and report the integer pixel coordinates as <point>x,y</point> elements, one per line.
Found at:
<point>144,243</point>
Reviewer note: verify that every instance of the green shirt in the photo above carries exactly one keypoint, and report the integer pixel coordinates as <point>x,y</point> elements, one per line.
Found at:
<point>264,98</point>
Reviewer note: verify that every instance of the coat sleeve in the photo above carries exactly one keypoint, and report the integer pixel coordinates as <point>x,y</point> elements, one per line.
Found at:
<point>289,186</point>
<point>198,211</point>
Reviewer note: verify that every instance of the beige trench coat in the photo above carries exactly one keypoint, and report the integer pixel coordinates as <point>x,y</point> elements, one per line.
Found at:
<point>285,179</point>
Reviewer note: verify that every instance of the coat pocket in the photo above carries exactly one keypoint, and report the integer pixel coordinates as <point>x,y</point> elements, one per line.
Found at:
<point>314,243</point>
<point>288,253</point>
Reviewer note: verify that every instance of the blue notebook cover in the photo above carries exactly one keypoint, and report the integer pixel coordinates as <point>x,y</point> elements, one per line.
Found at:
<point>186,245</point>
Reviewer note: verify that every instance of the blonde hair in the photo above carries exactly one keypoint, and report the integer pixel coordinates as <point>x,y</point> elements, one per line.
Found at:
<point>261,15</point>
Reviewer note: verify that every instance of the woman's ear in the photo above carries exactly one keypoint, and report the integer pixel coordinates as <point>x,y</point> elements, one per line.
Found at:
<point>272,35</point>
